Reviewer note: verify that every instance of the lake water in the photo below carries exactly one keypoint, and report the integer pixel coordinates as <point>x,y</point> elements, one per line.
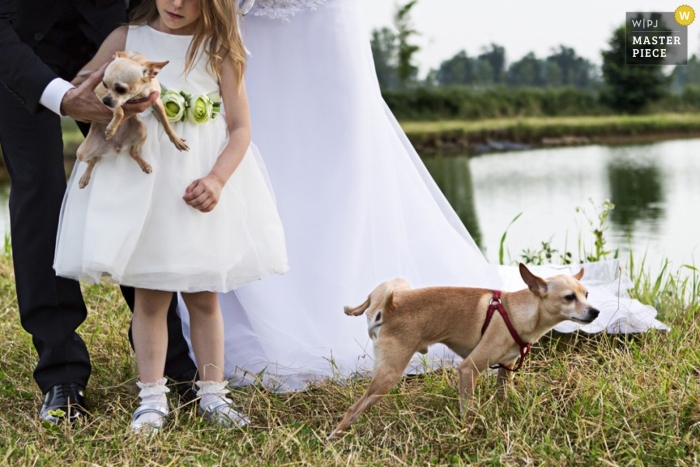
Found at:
<point>655,189</point>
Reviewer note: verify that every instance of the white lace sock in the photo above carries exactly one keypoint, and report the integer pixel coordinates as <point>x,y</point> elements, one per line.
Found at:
<point>154,405</point>
<point>215,407</point>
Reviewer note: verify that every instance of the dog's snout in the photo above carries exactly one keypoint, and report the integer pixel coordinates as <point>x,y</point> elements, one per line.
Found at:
<point>591,315</point>
<point>108,101</point>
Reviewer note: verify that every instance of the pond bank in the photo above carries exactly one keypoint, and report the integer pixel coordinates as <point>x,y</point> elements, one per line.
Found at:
<point>479,136</point>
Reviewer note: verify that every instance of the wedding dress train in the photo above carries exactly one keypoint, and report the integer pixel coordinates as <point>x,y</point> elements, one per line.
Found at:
<point>357,204</point>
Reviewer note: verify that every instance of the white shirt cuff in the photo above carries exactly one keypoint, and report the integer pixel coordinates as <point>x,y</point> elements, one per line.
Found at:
<point>53,95</point>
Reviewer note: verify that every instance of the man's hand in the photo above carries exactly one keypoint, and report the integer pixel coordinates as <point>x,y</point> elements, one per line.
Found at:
<point>83,105</point>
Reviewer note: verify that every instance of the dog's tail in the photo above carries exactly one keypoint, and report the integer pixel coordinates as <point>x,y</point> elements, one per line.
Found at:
<point>358,310</point>
<point>384,293</point>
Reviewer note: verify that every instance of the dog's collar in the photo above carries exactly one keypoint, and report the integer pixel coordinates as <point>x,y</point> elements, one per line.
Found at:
<point>494,305</point>
<point>138,101</point>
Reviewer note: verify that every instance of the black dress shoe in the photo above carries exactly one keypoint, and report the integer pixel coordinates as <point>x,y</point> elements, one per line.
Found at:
<point>184,386</point>
<point>63,402</point>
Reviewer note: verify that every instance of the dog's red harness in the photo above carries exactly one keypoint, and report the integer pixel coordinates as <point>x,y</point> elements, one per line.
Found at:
<point>494,305</point>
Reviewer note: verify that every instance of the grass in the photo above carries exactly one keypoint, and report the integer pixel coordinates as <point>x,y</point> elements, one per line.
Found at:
<point>462,133</point>
<point>533,130</point>
<point>579,400</point>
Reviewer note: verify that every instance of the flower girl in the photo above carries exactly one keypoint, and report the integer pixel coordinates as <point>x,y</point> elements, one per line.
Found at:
<point>202,222</point>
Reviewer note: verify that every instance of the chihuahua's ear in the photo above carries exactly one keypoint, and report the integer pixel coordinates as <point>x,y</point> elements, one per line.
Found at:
<point>579,275</point>
<point>151,69</point>
<point>121,54</point>
<point>537,285</point>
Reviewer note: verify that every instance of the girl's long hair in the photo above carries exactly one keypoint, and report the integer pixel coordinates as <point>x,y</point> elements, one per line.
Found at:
<point>216,33</point>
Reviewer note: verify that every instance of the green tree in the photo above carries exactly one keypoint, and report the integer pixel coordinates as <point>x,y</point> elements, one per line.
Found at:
<point>684,76</point>
<point>629,88</point>
<point>483,72</point>
<point>486,69</point>
<point>573,70</point>
<point>496,59</point>
<point>528,71</point>
<point>457,70</point>
<point>405,69</point>
<point>384,51</point>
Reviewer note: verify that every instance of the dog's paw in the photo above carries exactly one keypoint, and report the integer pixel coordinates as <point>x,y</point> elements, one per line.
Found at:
<point>180,144</point>
<point>83,182</point>
<point>109,133</point>
<point>147,168</point>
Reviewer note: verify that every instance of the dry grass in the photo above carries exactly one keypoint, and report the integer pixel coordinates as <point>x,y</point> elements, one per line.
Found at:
<point>580,400</point>
<point>533,130</point>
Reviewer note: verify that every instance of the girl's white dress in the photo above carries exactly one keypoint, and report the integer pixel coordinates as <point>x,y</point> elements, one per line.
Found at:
<point>357,204</point>
<point>135,227</point>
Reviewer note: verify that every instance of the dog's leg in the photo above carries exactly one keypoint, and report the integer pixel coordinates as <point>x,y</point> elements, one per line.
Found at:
<point>135,154</point>
<point>159,113</point>
<point>469,370</point>
<point>504,377</point>
<point>85,179</point>
<point>117,118</point>
<point>391,360</point>
<point>89,147</point>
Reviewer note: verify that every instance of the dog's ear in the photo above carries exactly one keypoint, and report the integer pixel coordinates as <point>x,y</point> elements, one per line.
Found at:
<point>151,69</point>
<point>537,285</point>
<point>121,54</point>
<point>579,275</point>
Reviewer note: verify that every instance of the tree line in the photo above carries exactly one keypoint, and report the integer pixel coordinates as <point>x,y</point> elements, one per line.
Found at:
<point>562,68</point>
<point>614,87</point>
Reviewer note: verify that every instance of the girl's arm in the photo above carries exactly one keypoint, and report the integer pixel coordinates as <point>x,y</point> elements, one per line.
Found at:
<point>115,42</point>
<point>203,194</point>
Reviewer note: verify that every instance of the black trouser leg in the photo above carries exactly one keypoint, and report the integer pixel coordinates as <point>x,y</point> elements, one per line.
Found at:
<point>51,308</point>
<point>178,364</point>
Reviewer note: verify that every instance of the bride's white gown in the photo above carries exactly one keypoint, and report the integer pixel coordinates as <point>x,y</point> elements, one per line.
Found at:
<point>357,205</point>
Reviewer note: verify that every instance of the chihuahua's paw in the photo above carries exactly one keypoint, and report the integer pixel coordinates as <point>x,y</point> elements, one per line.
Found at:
<point>147,168</point>
<point>109,133</point>
<point>83,182</point>
<point>180,144</point>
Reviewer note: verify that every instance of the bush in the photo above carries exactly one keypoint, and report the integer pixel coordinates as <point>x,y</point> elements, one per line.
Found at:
<point>469,103</point>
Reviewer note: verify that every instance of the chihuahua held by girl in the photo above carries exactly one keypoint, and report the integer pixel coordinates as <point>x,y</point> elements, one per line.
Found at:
<point>202,222</point>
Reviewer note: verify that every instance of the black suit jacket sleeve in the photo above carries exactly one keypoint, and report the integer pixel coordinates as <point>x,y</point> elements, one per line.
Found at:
<point>21,71</point>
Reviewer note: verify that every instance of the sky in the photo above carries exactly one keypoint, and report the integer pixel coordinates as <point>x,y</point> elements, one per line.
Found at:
<point>521,26</point>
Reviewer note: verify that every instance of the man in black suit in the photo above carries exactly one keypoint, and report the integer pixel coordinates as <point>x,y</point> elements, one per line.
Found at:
<point>43,44</point>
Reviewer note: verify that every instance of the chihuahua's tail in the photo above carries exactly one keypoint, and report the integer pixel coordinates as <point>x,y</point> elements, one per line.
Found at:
<point>358,310</point>
<point>379,298</point>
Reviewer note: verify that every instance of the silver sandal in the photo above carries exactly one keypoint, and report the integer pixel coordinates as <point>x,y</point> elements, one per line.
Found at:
<point>223,414</point>
<point>153,402</point>
<point>218,410</point>
<point>151,426</point>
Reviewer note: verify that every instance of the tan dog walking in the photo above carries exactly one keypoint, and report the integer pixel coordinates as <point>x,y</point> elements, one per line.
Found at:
<point>402,321</point>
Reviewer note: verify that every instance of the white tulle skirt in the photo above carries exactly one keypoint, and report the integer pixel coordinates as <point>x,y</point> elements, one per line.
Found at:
<point>135,229</point>
<point>358,207</point>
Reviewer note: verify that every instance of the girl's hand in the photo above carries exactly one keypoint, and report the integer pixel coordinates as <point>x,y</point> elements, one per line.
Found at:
<point>203,194</point>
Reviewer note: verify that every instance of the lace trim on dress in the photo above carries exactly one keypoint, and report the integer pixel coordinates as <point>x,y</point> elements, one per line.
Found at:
<point>283,9</point>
